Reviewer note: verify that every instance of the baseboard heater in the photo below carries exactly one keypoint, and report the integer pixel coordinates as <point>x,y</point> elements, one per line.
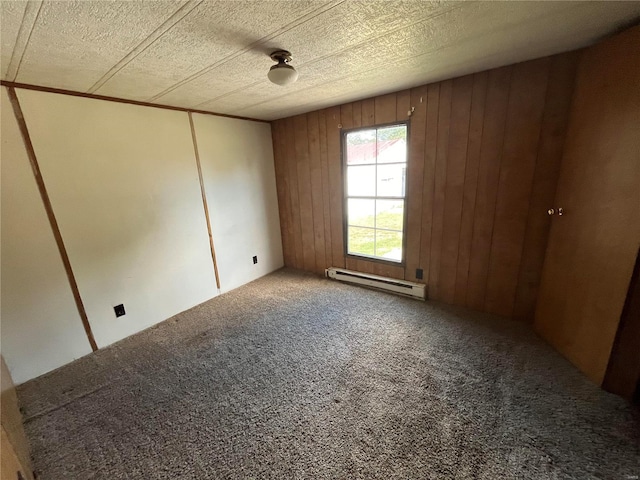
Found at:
<point>414,290</point>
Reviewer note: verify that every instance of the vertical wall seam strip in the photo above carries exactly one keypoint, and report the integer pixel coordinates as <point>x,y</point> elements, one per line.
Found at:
<point>204,199</point>
<point>17,110</point>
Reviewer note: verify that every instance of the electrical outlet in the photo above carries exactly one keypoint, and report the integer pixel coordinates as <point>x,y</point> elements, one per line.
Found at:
<point>419,273</point>
<point>255,259</point>
<point>119,309</point>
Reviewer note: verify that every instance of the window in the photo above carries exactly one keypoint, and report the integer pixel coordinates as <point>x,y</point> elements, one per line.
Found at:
<point>376,169</point>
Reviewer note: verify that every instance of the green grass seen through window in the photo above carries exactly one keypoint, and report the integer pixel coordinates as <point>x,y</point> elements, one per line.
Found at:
<point>361,240</point>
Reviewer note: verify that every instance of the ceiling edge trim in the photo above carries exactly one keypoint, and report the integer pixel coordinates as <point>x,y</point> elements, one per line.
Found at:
<point>72,93</point>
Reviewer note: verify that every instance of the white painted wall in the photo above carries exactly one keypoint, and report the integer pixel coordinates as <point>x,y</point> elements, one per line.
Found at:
<point>124,187</point>
<point>40,326</point>
<point>239,176</point>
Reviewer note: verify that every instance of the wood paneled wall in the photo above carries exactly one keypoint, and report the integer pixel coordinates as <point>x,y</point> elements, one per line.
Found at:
<point>484,156</point>
<point>593,247</point>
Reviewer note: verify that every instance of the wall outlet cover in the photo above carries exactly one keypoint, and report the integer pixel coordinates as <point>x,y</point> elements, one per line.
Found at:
<point>419,273</point>
<point>119,309</point>
<point>255,259</point>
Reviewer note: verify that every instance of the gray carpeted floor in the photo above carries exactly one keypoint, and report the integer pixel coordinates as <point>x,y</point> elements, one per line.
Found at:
<point>293,376</point>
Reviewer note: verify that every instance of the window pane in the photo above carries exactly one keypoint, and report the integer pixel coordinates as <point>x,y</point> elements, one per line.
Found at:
<point>392,144</point>
<point>390,214</point>
<point>376,166</point>
<point>361,212</point>
<point>361,147</point>
<point>391,180</point>
<point>389,245</point>
<point>361,241</point>
<point>361,181</point>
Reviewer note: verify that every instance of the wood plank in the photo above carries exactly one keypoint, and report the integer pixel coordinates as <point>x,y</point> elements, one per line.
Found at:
<point>524,121</point>
<point>415,172</point>
<point>552,136</point>
<point>440,179</point>
<point>346,117</point>
<point>352,264</point>
<point>470,185</point>
<point>334,160</point>
<point>282,187</point>
<point>315,169</point>
<point>291,227</point>
<point>403,104</point>
<point>360,265</point>
<point>368,112</point>
<point>495,115</point>
<point>365,266</point>
<point>294,197</point>
<point>326,188</point>
<point>428,184</point>
<point>387,270</point>
<point>454,188</point>
<point>301,141</point>
<point>356,114</point>
<point>385,109</point>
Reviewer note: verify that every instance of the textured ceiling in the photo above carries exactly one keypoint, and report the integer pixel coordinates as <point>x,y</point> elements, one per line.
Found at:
<point>213,55</point>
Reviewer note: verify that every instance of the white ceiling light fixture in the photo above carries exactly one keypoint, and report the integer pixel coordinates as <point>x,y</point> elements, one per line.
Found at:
<point>282,73</point>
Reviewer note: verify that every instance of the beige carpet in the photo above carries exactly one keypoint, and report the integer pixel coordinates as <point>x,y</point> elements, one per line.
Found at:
<point>294,376</point>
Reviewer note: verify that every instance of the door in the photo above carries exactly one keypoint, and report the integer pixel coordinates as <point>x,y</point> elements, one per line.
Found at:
<point>592,246</point>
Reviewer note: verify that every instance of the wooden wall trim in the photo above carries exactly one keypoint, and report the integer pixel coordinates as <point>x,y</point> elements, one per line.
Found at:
<point>73,93</point>
<point>204,199</point>
<point>15,449</point>
<point>10,465</point>
<point>484,155</point>
<point>17,110</point>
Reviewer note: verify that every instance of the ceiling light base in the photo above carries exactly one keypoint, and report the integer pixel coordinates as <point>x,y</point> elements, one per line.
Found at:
<point>281,56</point>
<point>282,73</point>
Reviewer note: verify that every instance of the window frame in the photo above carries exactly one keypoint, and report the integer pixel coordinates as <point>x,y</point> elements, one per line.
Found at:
<point>345,195</point>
